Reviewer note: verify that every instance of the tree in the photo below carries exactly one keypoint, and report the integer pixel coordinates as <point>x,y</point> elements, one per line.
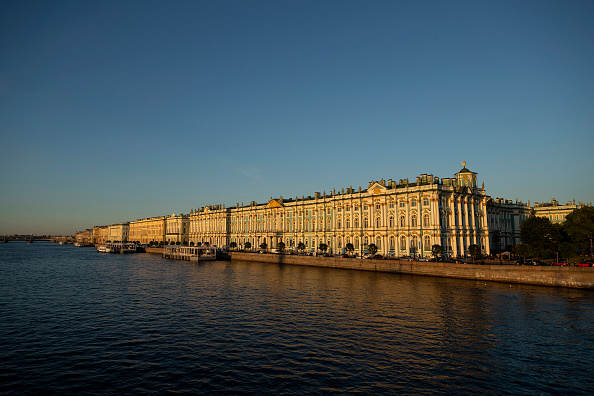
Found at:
<point>372,249</point>
<point>301,246</point>
<point>436,250</point>
<point>247,245</point>
<point>263,246</point>
<point>475,251</point>
<point>198,243</point>
<point>540,234</point>
<point>185,243</point>
<point>207,244</point>
<point>192,243</point>
<point>323,247</point>
<point>281,246</point>
<point>579,226</point>
<point>350,248</point>
<point>178,243</point>
<point>522,250</point>
<point>233,245</point>
<point>566,250</point>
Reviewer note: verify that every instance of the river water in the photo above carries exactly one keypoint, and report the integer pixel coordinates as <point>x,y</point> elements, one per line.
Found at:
<point>75,321</point>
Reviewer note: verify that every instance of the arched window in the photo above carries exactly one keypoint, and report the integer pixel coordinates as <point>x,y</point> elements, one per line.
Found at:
<point>391,221</point>
<point>413,221</point>
<point>365,222</point>
<point>338,223</point>
<point>426,242</point>
<point>356,242</point>
<point>378,242</point>
<point>426,220</point>
<point>378,222</point>
<point>365,240</point>
<point>356,222</point>
<point>402,221</point>
<point>348,223</point>
<point>402,242</point>
<point>392,243</point>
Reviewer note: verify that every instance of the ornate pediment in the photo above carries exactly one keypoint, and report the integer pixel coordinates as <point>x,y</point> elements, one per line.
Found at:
<point>376,188</point>
<point>273,203</point>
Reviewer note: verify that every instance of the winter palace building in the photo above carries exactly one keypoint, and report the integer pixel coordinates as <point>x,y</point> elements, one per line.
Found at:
<point>400,218</point>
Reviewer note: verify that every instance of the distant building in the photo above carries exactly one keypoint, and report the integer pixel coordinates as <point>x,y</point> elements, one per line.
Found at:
<point>84,237</point>
<point>553,211</point>
<point>178,229</point>
<point>99,235</point>
<point>504,218</point>
<point>400,218</point>
<point>118,233</point>
<point>149,230</point>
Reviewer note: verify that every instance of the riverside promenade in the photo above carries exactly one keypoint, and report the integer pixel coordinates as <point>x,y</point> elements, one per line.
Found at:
<point>576,277</point>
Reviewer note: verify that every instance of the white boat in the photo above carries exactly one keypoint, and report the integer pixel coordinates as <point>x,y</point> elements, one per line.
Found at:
<point>107,249</point>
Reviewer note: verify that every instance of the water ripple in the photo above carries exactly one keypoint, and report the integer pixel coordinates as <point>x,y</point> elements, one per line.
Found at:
<point>75,321</point>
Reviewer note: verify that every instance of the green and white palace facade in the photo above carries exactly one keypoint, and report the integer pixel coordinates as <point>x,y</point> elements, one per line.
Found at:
<point>400,218</point>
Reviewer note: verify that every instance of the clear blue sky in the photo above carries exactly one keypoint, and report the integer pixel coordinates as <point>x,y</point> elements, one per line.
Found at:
<point>117,110</point>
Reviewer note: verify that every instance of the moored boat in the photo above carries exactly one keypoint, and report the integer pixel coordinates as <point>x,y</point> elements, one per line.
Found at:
<point>107,249</point>
<point>190,253</point>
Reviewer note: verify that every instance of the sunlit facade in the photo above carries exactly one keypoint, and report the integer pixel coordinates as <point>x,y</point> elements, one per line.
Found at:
<point>150,230</point>
<point>400,218</point>
<point>177,229</point>
<point>118,233</point>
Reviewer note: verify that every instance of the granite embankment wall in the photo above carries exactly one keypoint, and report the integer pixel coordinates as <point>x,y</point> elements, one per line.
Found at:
<point>155,250</point>
<point>546,276</point>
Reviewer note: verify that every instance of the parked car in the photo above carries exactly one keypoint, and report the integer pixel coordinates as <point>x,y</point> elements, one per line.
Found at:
<point>560,264</point>
<point>524,262</point>
<point>583,263</point>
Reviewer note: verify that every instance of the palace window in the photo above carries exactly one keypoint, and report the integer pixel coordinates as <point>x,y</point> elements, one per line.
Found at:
<point>392,243</point>
<point>425,220</point>
<point>378,222</point>
<point>356,222</point>
<point>425,201</point>
<point>356,242</point>
<point>402,204</point>
<point>413,221</point>
<point>403,243</point>
<point>365,240</point>
<point>378,207</point>
<point>402,221</point>
<point>348,223</point>
<point>427,243</point>
<point>391,205</point>
<point>365,206</point>
<point>365,222</point>
<point>413,203</point>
